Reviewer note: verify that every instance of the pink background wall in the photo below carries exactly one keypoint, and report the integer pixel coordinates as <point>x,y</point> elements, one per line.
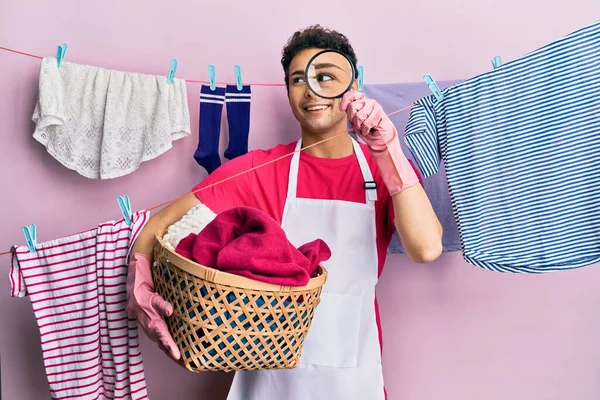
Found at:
<point>452,331</point>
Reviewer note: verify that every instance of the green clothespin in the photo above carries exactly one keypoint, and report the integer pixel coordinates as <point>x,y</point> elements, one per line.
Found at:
<point>433,87</point>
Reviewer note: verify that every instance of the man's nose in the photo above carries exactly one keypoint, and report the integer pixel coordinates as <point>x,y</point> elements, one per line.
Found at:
<point>307,92</point>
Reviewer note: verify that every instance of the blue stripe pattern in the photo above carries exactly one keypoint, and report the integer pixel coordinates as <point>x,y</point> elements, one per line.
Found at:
<point>521,149</point>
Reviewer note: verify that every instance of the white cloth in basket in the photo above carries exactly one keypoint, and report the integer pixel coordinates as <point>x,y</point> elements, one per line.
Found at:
<point>192,222</point>
<point>104,123</point>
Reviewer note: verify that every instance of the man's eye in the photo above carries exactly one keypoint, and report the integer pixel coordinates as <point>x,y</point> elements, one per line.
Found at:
<point>297,80</point>
<point>324,78</point>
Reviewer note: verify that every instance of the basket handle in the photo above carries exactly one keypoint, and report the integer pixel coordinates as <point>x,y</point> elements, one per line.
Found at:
<point>285,289</point>
<point>211,274</point>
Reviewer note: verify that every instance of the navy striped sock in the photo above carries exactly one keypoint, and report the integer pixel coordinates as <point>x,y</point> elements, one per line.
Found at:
<point>238,119</point>
<point>209,131</point>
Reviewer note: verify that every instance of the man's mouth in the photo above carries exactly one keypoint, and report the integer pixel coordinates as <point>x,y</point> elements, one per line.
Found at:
<point>314,108</point>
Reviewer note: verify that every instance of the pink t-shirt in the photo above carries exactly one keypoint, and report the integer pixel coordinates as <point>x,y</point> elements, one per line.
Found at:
<point>265,188</point>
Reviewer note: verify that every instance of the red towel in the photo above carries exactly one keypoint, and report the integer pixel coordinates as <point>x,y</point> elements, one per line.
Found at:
<point>247,242</point>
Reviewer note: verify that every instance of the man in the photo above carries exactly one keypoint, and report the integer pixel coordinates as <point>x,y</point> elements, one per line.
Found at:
<point>325,192</point>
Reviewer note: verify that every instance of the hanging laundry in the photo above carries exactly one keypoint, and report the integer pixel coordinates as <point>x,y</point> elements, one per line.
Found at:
<point>393,97</point>
<point>77,287</point>
<point>238,120</point>
<point>104,123</point>
<point>520,144</point>
<point>248,242</point>
<point>209,131</point>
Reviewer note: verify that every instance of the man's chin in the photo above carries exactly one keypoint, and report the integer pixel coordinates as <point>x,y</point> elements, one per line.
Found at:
<point>321,129</point>
<point>316,131</point>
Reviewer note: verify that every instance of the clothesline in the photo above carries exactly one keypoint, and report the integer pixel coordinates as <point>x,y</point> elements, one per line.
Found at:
<point>253,168</point>
<point>187,80</point>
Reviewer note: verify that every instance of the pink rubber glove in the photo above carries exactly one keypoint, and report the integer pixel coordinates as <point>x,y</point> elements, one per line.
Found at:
<point>148,306</point>
<point>372,124</point>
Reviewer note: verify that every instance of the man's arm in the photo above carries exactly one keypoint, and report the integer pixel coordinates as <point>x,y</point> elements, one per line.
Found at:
<point>162,220</point>
<point>216,192</point>
<point>150,308</point>
<point>414,218</point>
<point>417,224</point>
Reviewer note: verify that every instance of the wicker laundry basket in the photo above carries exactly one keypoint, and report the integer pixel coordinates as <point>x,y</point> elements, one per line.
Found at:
<point>226,322</point>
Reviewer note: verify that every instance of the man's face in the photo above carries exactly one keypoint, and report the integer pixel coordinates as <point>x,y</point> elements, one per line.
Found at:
<point>315,114</point>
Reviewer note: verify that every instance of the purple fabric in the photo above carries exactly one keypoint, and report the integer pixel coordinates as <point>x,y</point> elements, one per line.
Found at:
<point>398,95</point>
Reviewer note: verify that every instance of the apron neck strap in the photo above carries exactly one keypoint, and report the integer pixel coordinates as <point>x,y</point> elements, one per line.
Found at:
<point>369,184</point>
<point>293,178</point>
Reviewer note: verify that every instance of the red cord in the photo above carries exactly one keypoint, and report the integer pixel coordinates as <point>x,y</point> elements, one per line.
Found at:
<point>239,173</point>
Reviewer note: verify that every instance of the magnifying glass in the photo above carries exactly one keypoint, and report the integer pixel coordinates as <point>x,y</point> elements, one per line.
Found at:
<point>329,74</point>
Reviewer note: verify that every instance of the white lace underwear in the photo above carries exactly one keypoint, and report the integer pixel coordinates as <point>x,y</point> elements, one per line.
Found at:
<point>104,123</point>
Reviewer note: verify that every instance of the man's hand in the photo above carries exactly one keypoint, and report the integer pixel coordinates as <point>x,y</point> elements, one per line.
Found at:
<point>148,306</point>
<point>369,120</point>
<point>372,124</point>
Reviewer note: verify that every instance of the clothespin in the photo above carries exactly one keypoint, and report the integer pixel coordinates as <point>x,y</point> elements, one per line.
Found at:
<point>238,77</point>
<point>30,237</point>
<point>496,62</point>
<point>125,206</point>
<point>433,87</point>
<point>212,77</point>
<point>60,54</point>
<point>360,78</point>
<point>172,70</point>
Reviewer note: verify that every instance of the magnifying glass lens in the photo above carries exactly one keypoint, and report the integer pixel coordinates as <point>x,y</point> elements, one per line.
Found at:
<point>329,74</point>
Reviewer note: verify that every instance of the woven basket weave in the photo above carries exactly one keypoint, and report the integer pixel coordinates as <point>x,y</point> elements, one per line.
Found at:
<point>226,322</point>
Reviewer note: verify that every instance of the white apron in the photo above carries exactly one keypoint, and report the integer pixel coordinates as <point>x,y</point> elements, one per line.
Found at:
<point>341,356</point>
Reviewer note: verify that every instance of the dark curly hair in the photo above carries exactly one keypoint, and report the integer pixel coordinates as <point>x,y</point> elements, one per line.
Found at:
<point>315,36</point>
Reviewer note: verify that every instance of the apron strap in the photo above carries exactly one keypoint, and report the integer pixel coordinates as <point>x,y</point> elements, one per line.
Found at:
<point>369,184</point>
<point>293,178</point>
